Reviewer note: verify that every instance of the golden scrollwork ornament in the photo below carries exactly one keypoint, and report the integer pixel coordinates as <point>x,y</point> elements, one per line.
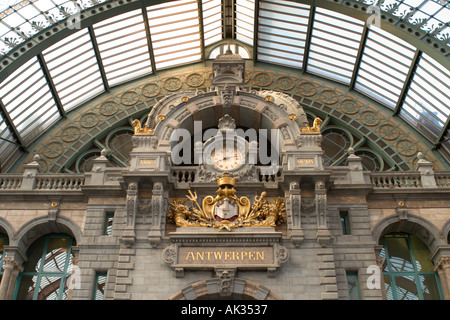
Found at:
<point>226,210</point>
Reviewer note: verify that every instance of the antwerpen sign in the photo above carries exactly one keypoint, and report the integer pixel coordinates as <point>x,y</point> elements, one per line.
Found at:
<point>208,257</point>
<point>225,256</point>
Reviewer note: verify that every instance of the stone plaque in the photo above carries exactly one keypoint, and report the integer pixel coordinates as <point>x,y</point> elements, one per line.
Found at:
<point>148,162</point>
<point>226,256</point>
<point>300,162</point>
<point>266,257</point>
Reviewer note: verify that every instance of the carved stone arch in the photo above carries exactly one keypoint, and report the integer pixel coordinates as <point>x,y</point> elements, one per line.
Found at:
<point>37,227</point>
<point>265,109</point>
<point>7,228</point>
<point>446,231</point>
<point>210,288</point>
<point>418,226</point>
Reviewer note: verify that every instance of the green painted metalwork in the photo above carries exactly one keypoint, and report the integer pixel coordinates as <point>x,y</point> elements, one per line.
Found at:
<point>407,270</point>
<point>47,269</point>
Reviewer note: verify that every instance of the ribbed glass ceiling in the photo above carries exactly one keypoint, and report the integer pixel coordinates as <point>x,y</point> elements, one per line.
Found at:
<point>74,69</point>
<point>384,66</point>
<point>123,47</point>
<point>282,32</point>
<point>148,38</point>
<point>334,45</point>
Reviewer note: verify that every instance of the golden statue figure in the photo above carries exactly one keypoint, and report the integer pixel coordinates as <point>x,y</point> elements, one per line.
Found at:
<point>226,210</point>
<point>315,128</point>
<point>139,130</point>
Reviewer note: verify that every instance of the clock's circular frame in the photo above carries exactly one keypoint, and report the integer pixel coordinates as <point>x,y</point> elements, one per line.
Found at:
<point>227,158</point>
<point>234,147</point>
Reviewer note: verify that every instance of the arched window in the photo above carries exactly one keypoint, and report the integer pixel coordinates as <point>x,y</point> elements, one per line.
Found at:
<point>408,272</point>
<point>3,242</point>
<point>48,266</point>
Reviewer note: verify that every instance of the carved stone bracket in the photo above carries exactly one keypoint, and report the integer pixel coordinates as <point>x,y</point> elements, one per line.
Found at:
<point>225,281</point>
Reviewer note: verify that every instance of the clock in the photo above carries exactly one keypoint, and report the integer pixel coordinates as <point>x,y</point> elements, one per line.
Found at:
<point>227,159</point>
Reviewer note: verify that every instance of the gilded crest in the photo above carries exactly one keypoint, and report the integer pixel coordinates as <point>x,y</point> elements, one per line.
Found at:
<point>226,210</point>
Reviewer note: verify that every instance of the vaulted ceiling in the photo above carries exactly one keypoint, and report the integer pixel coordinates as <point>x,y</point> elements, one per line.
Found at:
<point>58,55</point>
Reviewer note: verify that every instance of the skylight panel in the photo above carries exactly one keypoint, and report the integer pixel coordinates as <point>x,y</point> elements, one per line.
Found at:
<point>74,70</point>
<point>427,102</point>
<point>7,148</point>
<point>28,100</point>
<point>384,66</point>
<point>123,47</point>
<point>282,32</point>
<point>334,45</point>
<point>245,18</point>
<point>175,33</point>
<point>212,21</point>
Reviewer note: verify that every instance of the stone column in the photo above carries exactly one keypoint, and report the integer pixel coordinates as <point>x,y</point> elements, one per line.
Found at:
<point>10,273</point>
<point>443,269</point>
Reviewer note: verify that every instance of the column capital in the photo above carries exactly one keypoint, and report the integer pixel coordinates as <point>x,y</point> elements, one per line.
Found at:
<point>443,263</point>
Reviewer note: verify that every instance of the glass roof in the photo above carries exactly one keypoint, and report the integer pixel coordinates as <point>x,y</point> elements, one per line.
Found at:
<point>139,42</point>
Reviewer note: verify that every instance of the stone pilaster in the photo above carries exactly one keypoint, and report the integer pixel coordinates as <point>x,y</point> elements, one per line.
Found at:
<point>443,269</point>
<point>294,214</point>
<point>132,205</point>
<point>323,234</point>
<point>158,210</point>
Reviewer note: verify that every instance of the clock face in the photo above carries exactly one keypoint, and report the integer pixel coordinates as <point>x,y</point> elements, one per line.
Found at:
<point>227,158</point>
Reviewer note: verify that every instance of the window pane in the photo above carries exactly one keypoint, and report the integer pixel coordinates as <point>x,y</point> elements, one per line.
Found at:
<point>388,287</point>
<point>28,100</point>
<point>429,286</point>
<point>282,32</point>
<point>47,268</point>
<point>408,274</point>
<point>109,223</point>
<point>427,103</point>
<point>73,67</point>
<point>175,32</point>
<point>123,46</point>
<point>384,66</point>
<point>353,287</point>
<point>398,253</point>
<point>26,288</point>
<point>406,288</point>
<point>100,287</point>
<point>56,256</point>
<point>334,45</point>
<point>421,255</point>
<point>49,288</point>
